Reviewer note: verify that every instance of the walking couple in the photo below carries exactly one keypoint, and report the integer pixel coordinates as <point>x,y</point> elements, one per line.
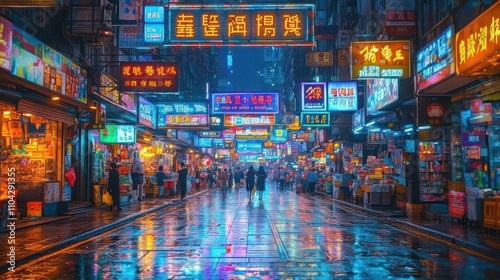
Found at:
<point>261,181</point>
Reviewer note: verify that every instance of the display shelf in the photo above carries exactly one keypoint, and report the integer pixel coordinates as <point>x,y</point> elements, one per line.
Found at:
<point>434,170</point>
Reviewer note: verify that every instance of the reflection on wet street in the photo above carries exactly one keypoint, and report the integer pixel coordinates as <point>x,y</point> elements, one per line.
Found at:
<point>284,236</point>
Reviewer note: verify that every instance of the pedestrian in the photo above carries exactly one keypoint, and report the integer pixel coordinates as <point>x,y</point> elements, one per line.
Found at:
<point>223,180</point>
<point>312,179</point>
<point>211,178</point>
<point>114,186</point>
<point>230,177</point>
<point>183,180</point>
<point>250,180</point>
<point>282,178</point>
<point>261,181</point>
<point>198,179</point>
<point>237,176</point>
<point>160,181</point>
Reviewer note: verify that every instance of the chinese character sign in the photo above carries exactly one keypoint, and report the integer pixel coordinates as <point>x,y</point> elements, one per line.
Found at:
<point>342,96</point>
<point>147,113</point>
<point>245,103</point>
<point>252,24</point>
<point>149,76</point>
<point>315,119</point>
<point>477,44</point>
<point>377,137</point>
<point>313,96</point>
<point>380,59</point>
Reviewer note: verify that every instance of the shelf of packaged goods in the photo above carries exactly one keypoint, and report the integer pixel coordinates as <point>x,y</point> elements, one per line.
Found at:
<point>432,160</point>
<point>421,171</point>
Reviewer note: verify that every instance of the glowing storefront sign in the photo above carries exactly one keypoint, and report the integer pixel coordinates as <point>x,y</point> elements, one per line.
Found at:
<point>477,45</point>
<point>242,24</point>
<point>149,76</point>
<point>313,96</point>
<point>279,135</point>
<point>380,59</point>
<point>253,120</point>
<point>182,115</point>
<point>245,103</point>
<point>251,133</point>
<point>147,113</point>
<point>342,96</point>
<point>436,60</point>
<point>380,93</point>
<point>315,119</point>
<point>249,147</point>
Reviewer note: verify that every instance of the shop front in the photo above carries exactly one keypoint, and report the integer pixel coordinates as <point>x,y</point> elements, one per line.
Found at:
<point>41,93</point>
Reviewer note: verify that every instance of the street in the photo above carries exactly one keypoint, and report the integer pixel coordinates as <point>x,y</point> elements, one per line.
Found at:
<point>284,236</point>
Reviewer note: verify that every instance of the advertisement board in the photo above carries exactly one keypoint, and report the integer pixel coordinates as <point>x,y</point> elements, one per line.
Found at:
<point>246,120</point>
<point>245,103</point>
<point>436,60</point>
<point>313,96</point>
<point>182,114</point>
<point>147,113</point>
<point>342,96</point>
<point>117,134</point>
<point>319,59</point>
<point>358,119</point>
<point>248,24</point>
<point>380,93</point>
<point>477,44</point>
<point>149,76</point>
<point>315,119</point>
<point>380,59</point>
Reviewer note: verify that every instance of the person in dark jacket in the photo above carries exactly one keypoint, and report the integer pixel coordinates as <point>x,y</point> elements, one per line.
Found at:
<point>114,186</point>
<point>250,180</point>
<point>183,173</point>
<point>261,181</point>
<point>160,181</point>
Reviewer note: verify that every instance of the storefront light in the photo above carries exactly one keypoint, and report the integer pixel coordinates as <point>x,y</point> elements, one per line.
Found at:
<point>6,112</point>
<point>27,115</point>
<point>424,127</point>
<point>55,98</point>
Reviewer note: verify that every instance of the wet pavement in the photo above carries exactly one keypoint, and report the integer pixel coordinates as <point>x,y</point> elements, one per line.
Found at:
<point>284,236</point>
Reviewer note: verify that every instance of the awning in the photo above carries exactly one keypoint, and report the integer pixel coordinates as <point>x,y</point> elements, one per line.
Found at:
<point>65,115</point>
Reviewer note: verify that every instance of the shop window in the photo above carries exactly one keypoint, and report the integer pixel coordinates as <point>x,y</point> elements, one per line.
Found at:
<point>29,148</point>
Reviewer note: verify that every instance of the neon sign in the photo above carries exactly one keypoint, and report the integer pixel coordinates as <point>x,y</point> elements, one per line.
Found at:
<point>245,103</point>
<point>380,59</point>
<point>477,44</point>
<point>313,96</point>
<point>247,24</point>
<point>149,76</point>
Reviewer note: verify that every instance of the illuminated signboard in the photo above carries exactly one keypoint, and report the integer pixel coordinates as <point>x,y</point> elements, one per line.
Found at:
<point>380,59</point>
<point>245,103</point>
<point>251,133</point>
<point>147,113</point>
<point>209,134</point>
<point>478,44</point>
<point>436,60</point>
<point>315,119</point>
<point>249,147</point>
<point>319,59</point>
<point>313,96</point>
<point>377,137</point>
<point>303,136</point>
<point>6,47</point>
<point>241,24</point>
<point>154,14</point>
<point>117,134</point>
<point>342,96</point>
<point>380,93</point>
<point>253,120</point>
<point>154,27</point>
<point>358,119</point>
<point>249,158</point>
<point>149,76</point>
<point>182,115</point>
<point>210,142</point>
<point>279,135</point>
<point>38,63</point>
